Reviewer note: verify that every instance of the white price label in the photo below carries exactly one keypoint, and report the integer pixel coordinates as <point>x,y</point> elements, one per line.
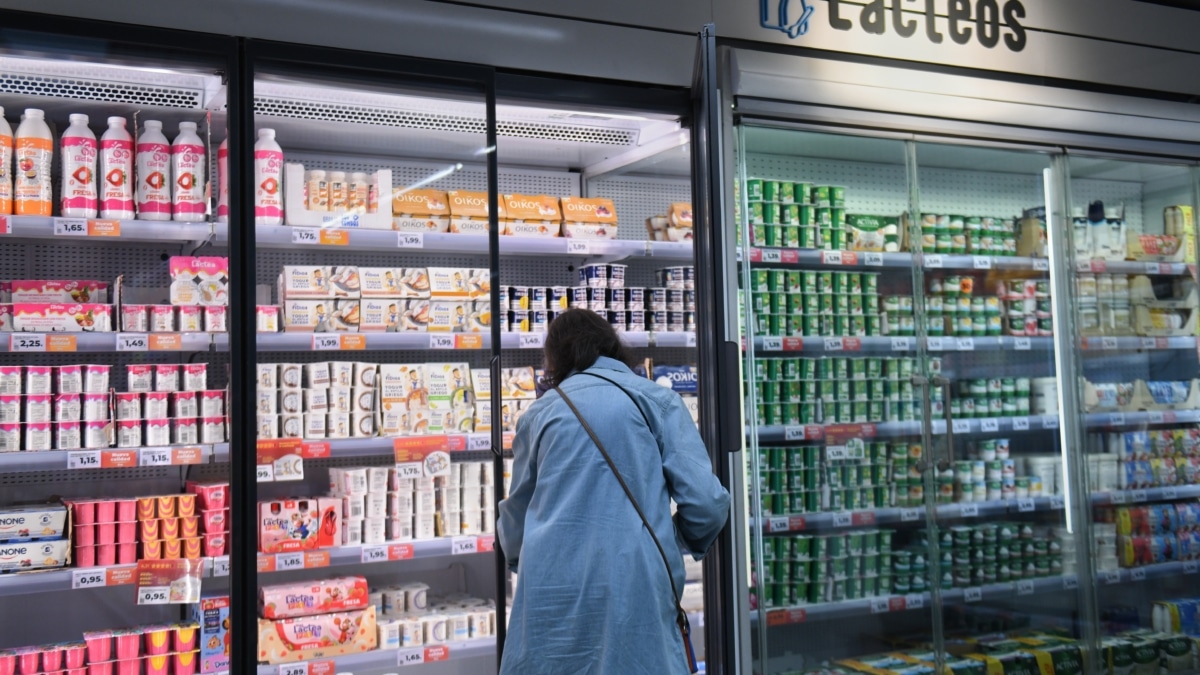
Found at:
<point>1139,496</point>
<point>374,554</point>
<point>1156,417</point>
<point>408,657</point>
<point>410,240</point>
<point>464,545</point>
<point>1025,587</point>
<point>879,605</point>
<point>1170,493</point>
<point>289,561</point>
<point>771,255</point>
<point>689,340</point>
<point>842,519</point>
<point>476,442</point>
<point>1050,421</point>
<point>972,594</point>
<point>1041,264</point>
<point>577,247</point>
<point>1070,583</point>
<point>901,344</point>
<point>1108,343</point>
<point>1057,503</point>
<point>1138,574</point>
<point>831,257</point>
<point>441,341</point>
<point>961,426</point>
<point>294,669</point>
<point>872,259</point>
<point>772,344</point>
<point>88,578</point>
<point>834,344</point>
<point>981,262</point>
<point>1116,498</point>
<point>793,433</point>
<point>910,515</point>
<point>265,473</point>
<point>83,459</point>
<point>934,344</point>
<point>1025,505</point>
<point>934,262</point>
<point>989,424</point>
<point>323,343</point>
<point>407,470</point>
<point>1191,567</point>
<point>154,457</point>
<point>305,235</point>
<point>531,340</point>
<point>1112,577</point>
<point>154,595</point>
<point>966,344</point>
<point>31,342</point>
<point>1148,343</point>
<point>777,524</point>
<point>968,510</point>
<point>1020,423</point>
<point>289,468</point>
<point>132,342</point>
<point>1117,419</point>
<point>1022,344</point>
<point>914,601</point>
<point>70,227</point>
<point>221,566</point>
<point>1153,268</point>
<point>836,452</point>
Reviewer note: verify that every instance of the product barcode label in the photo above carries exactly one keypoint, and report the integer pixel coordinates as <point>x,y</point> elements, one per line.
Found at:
<point>289,561</point>
<point>879,605</point>
<point>30,342</point>
<point>531,340</point>
<point>1025,505</point>
<point>831,257</point>
<point>154,595</point>
<point>410,240</point>
<point>981,262</point>
<point>1020,424</point>
<point>132,342</point>
<point>70,227</point>
<point>872,259</point>
<point>973,594</point>
<point>441,341</point>
<point>409,657</point>
<point>1041,264</point>
<point>1116,498</point>
<point>1050,421</point>
<point>1112,577</point>
<point>771,255</point>
<point>842,519</point>
<point>89,578</point>
<point>321,343</point>
<point>989,424</point>
<point>966,344</point>
<point>772,344</point>
<point>961,426</point>
<point>901,344</point>
<point>1138,574</point>
<point>1191,567</point>
<point>374,554</point>
<point>834,344</point>
<point>1025,587</point>
<point>221,566</point>
<point>1156,417</point>
<point>1117,419</point>
<point>914,601</point>
<point>83,459</point>
<point>1022,344</point>
<point>578,247</point>
<point>1108,343</point>
<point>793,433</point>
<point>305,235</point>
<point>934,344</point>
<point>464,545</point>
<point>1070,583</point>
<point>1170,493</point>
<point>405,470</point>
<point>154,457</point>
<point>934,262</point>
<point>910,515</point>
<point>968,510</point>
<point>294,669</point>
<point>1139,496</point>
<point>476,442</point>
<point>689,340</point>
<point>777,524</point>
<point>1057,503</point>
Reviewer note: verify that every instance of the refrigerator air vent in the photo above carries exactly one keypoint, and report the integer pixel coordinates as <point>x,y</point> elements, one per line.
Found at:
<point>99,90</point>
<point>406,119</point>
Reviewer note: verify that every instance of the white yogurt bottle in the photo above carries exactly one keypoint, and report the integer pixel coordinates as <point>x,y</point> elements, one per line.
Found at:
<point>34,154</point>
<point>153,193</point>
<point>79,169</point>
<point>223,182</point>
<point>187,164</point>
<point>268,179</point>
<point>116,171</point>
<point>6,165</point>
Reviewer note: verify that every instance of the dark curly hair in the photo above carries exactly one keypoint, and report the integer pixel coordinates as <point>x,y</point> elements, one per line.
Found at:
<point>575,339</point>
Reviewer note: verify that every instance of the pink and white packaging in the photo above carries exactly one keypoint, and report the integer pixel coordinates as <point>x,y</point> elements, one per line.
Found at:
<point>156,405</point>
<point>61,318</point>
<point>55,291</point>
<point>212,403</point>
<point>216,319</point>
<point>185,430</point>
<point>38,408</point>
<point>129,406</point>
<point>38,437</point>
<point>166,377</point>
<point>68,407</point>
<point>6,319</point>
<point>38,379</point>
<point>162,318</point>
<point>95,434</point>
<point>140,378</point>
<point>10,408</point>
<point>212,430</point>
<point>129,433</point>
<point>95,379</point>
<point>10,437</point>
<point>135,318</point>
<point>185,404</point>
<point>158,432</point>
<point>191,319</point>
<point>69,379</point>
<point>95,407</point>
<point>11,380</point>
<point>68,435</point>
<point>195,377</point>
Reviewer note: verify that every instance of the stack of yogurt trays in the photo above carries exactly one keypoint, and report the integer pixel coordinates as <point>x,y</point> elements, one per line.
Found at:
<point>874,474</point>
<point>976,555</point>
<point>796,215</point>
<point>793,391</point>
<point>978,235</point>
<point>811,304</point>
<point>990,397</point>
<point>811,569</point>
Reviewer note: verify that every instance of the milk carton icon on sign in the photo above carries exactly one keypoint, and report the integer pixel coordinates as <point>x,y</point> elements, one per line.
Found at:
<point>788,16</point>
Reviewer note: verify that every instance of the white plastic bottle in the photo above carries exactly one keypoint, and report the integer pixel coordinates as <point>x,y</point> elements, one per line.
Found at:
<point>317,193</point>
<point>339,192</point>
<point>223,182</point>
<point>268,179</point>
<point>34,152</point>
<point>6,166</point>
<point>79,154</point>
<point>187,166</point>
<point>153,173</point>
<point>116,171</point>
<point>358,192</point>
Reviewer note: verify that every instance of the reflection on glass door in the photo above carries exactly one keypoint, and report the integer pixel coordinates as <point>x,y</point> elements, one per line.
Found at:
<point>1135,305</point>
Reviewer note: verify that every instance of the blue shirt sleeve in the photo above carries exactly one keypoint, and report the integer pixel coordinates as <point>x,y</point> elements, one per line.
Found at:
<point>703,504</point>
<point>510,527</point>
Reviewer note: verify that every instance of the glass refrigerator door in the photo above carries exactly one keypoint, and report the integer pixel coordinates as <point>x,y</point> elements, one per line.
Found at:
<point>375,498</point>
<point>1134,305</point>
<point>91,225</point>
<point>1003,555</point>
<point>835,395</point>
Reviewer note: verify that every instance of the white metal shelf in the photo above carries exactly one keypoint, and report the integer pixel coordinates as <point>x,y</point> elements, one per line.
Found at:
<point>113,458</point>
<point>830,520</point>
<point>86,231</point>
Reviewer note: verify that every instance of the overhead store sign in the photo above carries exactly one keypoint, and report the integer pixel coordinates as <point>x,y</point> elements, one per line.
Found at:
<point>986,22</point>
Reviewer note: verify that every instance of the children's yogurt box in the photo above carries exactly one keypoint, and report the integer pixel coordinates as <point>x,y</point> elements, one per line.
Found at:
<point>59,291</point>
<point>61,318</point>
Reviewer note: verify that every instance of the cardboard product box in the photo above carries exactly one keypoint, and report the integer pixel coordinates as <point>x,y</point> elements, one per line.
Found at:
<point>413,282</point>
<point>381,315</point>
<point>589,218</point>
<point>216,632</point>
<point>420,210</point>
<point>296,211</point>
<point>449,283</point>
<point>345,282</point>
<point>469,212</point>
<point>452,316</point>
<point>299,524</point>
<point>32,522</point>
<point>61,318</point>
<point>415,316</point>
<point>518,383</point>
<point>317,637</point>
<point>54,291</point>
<point>321,316</point>
<point>199,280</point>
<point>379,282</point>
<point>530,216</point>
<point>1031,238</point>
<point>33,555</point>
<point>301,282</point>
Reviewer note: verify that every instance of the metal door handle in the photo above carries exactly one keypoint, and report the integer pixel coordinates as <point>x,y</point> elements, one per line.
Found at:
<point>946,461</point>
<point>927,408</point>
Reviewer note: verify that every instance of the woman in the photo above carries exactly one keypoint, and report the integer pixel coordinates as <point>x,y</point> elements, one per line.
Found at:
<point>593,594</point>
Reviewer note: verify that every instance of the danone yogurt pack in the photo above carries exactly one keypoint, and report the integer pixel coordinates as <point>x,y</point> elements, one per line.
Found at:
<point>530,216</point>
<point>590,218</point>
<point>469,212</point>
<point>420,210</point>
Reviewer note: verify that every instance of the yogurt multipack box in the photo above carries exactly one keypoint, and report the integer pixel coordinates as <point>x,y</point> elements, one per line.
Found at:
<point>32,521</point>
<point>55,291</point>
<point>469,212</point>
<point>317,637</point>
<point>61,318</point>
<point>305,598</point>
<point>420,210</point>
<point>32,555</point>
<point>199,280</point>
<point>530,216</point>
<point>589,218</point>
